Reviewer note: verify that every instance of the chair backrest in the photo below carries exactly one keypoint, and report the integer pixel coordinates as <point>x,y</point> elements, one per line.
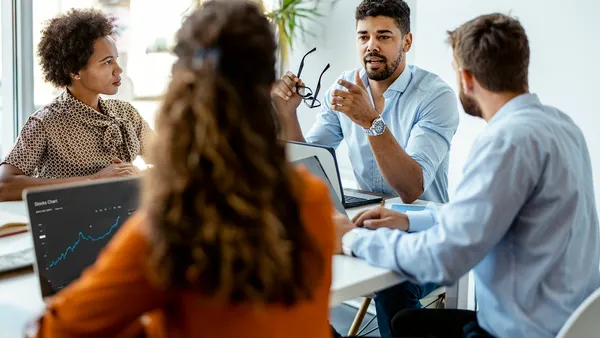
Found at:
<point>584,322</point>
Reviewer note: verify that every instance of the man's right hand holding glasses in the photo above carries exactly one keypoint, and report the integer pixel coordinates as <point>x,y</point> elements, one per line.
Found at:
<point>285,95</point>
<point>291,90</point>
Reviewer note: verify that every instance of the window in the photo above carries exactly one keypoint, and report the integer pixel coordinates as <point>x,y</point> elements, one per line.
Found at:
<point>7,93</point>
<point>1,84</point>
<point>146,32</point>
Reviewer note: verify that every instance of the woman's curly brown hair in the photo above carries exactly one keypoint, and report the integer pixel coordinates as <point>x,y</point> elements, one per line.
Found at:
<point>67,43</point>
<point>222,199</point>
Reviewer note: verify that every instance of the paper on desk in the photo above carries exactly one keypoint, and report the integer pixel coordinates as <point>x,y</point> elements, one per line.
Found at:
<point>6,218</point>
<point>14,243</point>
<point>15,318</point>
<point>11,224</point>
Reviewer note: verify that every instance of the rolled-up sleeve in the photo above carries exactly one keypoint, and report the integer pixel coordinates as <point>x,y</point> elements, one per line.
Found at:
<point>327,130</point>
<point>30,148</point>
<point>432,133</point>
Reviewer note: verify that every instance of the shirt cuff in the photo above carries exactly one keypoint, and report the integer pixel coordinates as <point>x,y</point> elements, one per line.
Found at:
<point>420,220</point>
<point>349,238</point>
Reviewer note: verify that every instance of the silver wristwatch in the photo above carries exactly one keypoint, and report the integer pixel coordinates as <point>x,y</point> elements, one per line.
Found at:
<point>377,127</point>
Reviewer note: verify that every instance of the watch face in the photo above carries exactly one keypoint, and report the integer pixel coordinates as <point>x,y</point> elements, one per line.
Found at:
<point>378,126</point>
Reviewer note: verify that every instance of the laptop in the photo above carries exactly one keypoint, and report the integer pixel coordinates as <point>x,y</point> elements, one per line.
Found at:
<point>328,160</point>
<point>71,224</point>
<point>313,165</point>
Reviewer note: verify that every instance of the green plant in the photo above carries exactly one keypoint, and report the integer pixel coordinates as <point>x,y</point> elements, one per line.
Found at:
<point>289,19</point>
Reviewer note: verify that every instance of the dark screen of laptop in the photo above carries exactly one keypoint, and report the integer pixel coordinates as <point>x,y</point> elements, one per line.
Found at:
<point>70,226</point>
<point>314,166</point>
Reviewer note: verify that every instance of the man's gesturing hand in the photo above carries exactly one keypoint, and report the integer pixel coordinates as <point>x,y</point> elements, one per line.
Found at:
<point>354,102</point>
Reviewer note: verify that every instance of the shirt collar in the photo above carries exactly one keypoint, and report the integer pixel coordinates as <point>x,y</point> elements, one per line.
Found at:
<point>70,99</point>
<point>399,85</point>
<point>516,103</point>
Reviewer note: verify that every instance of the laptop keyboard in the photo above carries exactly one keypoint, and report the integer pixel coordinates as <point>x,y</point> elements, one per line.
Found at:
<point>17,260</point>
<point>353,201</point>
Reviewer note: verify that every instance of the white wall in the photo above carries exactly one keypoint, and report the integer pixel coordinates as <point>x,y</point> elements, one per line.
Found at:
<point>565,60</point>
<point>335,39</point>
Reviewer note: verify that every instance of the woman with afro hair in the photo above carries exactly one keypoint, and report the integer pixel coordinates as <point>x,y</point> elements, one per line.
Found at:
<point>79,135</point>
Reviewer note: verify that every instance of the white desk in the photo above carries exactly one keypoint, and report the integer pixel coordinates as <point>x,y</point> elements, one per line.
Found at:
<point>20,296</point>
<point>352,277</point>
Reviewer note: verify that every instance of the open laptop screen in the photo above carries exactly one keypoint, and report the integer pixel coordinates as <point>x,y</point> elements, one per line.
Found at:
<point>314,166</point>
<point>71,224</point>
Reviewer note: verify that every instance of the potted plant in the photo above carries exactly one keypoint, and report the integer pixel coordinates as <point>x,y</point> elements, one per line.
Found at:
<point>289,19</point>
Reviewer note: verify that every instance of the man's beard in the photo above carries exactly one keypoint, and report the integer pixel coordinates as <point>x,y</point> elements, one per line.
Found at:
<point>470,106</point>
<point>386,70</point>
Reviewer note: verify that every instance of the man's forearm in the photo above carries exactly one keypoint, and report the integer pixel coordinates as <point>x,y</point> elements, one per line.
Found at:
<point>291,127</point>
<point>399,170</point>
<point>12,187</point>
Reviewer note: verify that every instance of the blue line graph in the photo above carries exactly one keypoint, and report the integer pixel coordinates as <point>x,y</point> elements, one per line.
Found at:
<point>85,238</point>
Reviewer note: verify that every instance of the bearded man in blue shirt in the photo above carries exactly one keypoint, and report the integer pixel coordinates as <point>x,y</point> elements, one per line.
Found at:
<point>397,119</point>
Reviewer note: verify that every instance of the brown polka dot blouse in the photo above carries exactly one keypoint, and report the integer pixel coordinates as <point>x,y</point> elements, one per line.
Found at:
<point>68,138</point>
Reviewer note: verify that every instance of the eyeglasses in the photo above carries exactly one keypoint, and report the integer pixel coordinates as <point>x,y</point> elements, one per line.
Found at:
<point>310,98</point>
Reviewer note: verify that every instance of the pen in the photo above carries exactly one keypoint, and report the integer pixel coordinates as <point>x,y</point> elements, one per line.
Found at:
<point>382,203</point>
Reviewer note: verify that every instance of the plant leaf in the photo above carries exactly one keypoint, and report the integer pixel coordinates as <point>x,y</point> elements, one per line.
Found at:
<point>289,18</point>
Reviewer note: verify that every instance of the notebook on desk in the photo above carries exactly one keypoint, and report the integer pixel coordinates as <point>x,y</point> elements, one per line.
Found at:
<point>11,224</point>
<point>403,208</point>
<point>71,224</point>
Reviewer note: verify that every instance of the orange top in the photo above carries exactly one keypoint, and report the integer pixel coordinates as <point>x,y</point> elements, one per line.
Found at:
<point>114,298</point>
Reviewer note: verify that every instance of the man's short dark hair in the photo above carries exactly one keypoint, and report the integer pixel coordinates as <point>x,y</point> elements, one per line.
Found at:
<point>395,9</point>
<point>67,43</point>
<point>495,49</point>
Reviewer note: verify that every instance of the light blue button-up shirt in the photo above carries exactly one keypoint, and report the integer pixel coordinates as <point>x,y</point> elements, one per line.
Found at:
<point>524,219</point>
<point>420,111</point>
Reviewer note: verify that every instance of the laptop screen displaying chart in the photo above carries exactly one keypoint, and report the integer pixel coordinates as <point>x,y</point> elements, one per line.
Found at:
<point>70,226</point>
